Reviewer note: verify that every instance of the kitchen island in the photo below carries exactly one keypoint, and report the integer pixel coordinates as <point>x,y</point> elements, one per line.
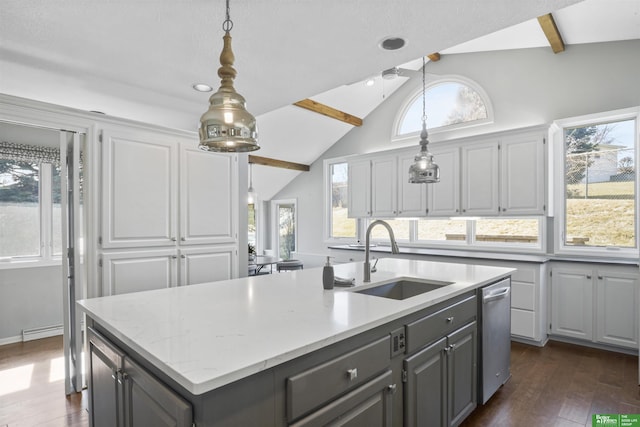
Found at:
<point>235,350</point>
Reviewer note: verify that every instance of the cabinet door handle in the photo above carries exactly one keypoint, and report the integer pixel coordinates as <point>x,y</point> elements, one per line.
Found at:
<point>449,319</point>
<point>352,374</point>
<point>503,209</point>
<point>182,239</point>
<point>173,239</point>
<point>183,256</point>
<point>392,388</point>
<point>599,277</point>
<point>174,256</point>
<point>588,276</point>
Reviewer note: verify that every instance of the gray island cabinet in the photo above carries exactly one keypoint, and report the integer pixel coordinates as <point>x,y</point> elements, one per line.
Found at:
<point>373,362</point>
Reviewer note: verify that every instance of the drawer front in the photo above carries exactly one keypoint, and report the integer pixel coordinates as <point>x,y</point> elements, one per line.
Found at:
<point>108,350</point>
<point>523,274</point>
<point>523,295</point>
<point>316,386</point>
<point>436,325</point>
<point>523,323</point>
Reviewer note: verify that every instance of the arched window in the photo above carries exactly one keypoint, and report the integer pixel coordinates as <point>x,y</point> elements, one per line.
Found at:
<point>454,102</point>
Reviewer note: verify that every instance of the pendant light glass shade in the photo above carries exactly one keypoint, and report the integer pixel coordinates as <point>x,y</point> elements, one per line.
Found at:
<point>424,170</point>
<point>227,126</point>
<point>252,196</point>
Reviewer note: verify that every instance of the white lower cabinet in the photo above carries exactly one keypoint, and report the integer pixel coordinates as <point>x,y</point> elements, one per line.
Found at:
<point>207,264</point>
<point>594,303</point>
<point>135,271</point>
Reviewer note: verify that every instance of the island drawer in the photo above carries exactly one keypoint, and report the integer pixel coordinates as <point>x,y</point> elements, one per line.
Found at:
<point>442,322</point>
<point>312,388</point>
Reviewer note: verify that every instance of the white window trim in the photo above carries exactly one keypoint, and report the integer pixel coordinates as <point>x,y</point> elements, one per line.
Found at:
<point>45,208</point>
<point>557,183</point>
<point>451,78</point>
<point>328,239</point>
<point>275,239</point>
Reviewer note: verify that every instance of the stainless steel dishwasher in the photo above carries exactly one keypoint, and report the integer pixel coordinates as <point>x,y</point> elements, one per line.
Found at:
<point>495,337</point>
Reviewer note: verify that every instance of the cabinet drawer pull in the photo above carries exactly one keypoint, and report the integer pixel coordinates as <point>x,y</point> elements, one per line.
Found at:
<point>599,277</point>
<point>352,374</point>
<point>588,276</point>
<point>173,239</point>
<point>449,319</point>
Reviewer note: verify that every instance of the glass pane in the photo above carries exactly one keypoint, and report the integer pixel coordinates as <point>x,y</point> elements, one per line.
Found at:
<point>56,211</point>
<point>19,209</point>
<point>252,225</point>
<point>341,226</point>
<point>286,230</point>
<point>447,104</point>
<point>600,188</point>
<point>442,229</point>
<point>400,230</point>
<point>508,230</point>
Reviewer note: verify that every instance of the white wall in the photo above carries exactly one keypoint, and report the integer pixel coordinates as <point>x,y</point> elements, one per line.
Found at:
<point>29,298</point>
<point>527,87</point>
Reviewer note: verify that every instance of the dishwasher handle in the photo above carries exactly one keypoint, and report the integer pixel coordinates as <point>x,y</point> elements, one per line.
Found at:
<point>497,294</point>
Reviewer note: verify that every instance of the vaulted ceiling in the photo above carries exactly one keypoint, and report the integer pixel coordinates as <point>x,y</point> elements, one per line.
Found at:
<point>138,59</point>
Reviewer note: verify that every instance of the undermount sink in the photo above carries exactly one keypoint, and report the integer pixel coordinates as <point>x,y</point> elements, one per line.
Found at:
<point>403,289</point>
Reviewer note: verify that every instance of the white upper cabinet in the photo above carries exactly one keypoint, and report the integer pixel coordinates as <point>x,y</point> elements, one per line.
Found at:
<point>444,196</point>
<point>522,177</point>
<point>206,196</point>
<point>359,190</point>
<point>412,198</point>
<point>480,172</point>
<point>384,176</point>
<point>139,182</point>
<point>141,204</point>
<point>489,175</point>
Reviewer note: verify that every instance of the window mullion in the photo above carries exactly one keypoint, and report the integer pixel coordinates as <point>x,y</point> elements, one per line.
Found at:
<point>46,220</point>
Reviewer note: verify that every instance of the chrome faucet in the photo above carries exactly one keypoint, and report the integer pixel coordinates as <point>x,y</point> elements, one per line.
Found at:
<point>394,247</point>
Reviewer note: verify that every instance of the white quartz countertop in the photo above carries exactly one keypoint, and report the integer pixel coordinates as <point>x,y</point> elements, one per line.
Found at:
<point>209,335</point>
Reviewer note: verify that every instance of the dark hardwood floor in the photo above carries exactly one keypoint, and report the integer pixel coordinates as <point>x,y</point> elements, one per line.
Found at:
<point>557,385</point>
<point>562,385</point>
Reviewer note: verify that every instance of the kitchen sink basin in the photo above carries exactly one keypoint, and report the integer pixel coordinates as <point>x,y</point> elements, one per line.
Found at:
<point>403,289</point>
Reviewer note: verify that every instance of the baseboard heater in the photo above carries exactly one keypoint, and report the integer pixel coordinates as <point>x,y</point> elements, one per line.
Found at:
<point>37,333</point>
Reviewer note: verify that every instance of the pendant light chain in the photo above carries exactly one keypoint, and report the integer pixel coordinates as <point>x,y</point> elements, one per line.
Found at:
<point>424,96</point>
<point>227,25</point>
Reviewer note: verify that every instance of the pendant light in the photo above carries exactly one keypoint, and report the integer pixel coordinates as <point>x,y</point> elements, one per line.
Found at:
<point>252,196</point>
<point>423,170</point>
<point>227,126</point>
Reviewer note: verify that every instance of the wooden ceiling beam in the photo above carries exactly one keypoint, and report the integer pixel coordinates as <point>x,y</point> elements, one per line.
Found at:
<point>435,57</point>
<point>550,30</point>
<point>325,110</point>
<point>265,161</point>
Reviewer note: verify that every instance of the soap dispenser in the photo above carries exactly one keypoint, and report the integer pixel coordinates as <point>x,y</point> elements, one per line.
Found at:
<point>327,275</point>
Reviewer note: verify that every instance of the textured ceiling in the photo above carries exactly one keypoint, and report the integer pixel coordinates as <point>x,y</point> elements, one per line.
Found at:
<point>138,58</point>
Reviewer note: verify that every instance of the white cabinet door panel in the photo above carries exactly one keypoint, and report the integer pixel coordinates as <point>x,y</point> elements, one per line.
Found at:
<point>359,190</point>
<point>616,312</point>
<point>384,177</point>
<point>480,171</point>
<point>138,190</point>
<point>572,304</point>
<point>412,198</point>
<point>125,272</point>
<point>207,197</point>
<point>444,197</point>
<point>204,265</point>
<point>522,176</point>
